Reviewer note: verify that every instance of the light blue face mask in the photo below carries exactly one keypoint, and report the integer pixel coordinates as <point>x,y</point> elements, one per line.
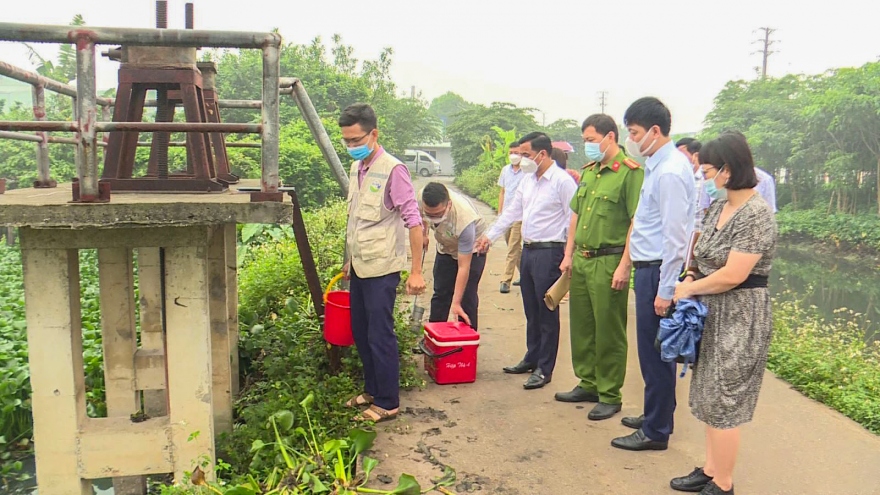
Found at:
<point>713,191</point>
<point>360,152</point>
<point>592,151</point>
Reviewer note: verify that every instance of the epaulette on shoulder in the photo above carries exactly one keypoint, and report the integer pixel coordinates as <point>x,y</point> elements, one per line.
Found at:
<point>632,164</point>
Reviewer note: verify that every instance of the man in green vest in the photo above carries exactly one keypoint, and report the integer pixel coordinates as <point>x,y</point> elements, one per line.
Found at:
<point>596,257</point>
<point>382,212</point>
<point>458,268</point>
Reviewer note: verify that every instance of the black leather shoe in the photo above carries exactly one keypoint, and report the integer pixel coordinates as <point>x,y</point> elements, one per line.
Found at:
<point>505,288</point>
<point>537,380</point>
<point>516,283</point>
<point>712,489</point>
<point>603,411</point>
<point>633,422</point>
<point>576,394</point>
<point>638,441</point>
<point>694,482</point>
<point>520,369</point>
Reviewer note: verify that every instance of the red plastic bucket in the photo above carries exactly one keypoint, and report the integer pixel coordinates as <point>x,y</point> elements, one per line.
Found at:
<point>337,316</point>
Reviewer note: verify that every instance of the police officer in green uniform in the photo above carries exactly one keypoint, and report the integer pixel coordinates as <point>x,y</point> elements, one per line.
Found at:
<point>597,259</point>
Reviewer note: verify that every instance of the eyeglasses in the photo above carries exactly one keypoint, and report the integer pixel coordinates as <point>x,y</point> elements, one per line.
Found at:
<point>349,142</point>
<point>706,169</point>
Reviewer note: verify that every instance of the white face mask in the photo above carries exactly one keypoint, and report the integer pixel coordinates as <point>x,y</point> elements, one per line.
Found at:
<point>634,149</point>
<point>514,159</point>
<point>528,165</point>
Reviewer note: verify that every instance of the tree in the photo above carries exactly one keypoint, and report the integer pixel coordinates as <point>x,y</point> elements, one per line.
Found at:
<point>475,124</point>
<point>447,106</point>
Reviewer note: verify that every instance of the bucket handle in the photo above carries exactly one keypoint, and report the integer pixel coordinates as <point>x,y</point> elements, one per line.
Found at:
<point>333,281</point>
<point>427,352</point>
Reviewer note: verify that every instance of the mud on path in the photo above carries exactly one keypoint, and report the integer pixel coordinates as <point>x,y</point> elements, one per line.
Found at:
<point>502,439</point>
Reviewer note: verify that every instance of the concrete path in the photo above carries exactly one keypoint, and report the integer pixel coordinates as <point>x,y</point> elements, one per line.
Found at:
<point>502,439</point>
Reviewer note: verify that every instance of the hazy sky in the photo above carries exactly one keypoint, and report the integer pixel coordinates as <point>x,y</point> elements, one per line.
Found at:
<point>555,55</point>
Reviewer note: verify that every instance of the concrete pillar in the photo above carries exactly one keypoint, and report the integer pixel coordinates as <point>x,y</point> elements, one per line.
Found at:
<point>188,355</point>
<point>152,332</point>
<point>217,279</point>
<point>119,339</point>
<point>232,302</point>
<point>54,322</point>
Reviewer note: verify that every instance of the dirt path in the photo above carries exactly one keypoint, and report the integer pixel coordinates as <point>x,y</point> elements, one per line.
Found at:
<point>502,439</point>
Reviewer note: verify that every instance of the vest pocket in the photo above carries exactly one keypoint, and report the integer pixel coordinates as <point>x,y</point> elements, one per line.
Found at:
<point>370,207</point>
<point>373,243</point>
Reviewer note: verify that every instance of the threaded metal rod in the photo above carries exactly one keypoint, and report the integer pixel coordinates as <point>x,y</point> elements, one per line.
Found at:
<point>190,16</point>
<point>162,14</point>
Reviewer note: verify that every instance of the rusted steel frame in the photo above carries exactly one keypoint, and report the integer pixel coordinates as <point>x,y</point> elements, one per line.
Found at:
<point>44,180</point>
<point>20,136</point>
<point>306,256</point>
<point>35,79</point>
<point>270,180</point>
<point>313,120</point>
<point>87,117</point>
<point>231,128</point>
<point>42,33</point>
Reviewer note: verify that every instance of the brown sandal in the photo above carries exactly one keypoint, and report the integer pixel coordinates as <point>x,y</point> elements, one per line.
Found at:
<point>376,414</point>
<point>364,399</point>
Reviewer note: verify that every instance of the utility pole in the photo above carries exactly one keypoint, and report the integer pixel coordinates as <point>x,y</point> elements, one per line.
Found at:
<point>766,42</point>
<point>603,100</point>
<point>412,92</point>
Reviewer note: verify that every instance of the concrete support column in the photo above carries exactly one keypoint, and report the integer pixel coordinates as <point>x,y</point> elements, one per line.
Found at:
<point>188,357</point>
<point>152,332</point>
<point>52,305</point>
<point>232,303</point>
<point>119,339</point>
<point>221,360</point>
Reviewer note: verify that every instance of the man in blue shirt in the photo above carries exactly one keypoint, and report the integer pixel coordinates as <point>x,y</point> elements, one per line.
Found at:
<point>661,226</point>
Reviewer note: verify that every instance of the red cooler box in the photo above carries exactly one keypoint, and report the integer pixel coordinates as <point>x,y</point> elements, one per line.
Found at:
<point>450,350</point>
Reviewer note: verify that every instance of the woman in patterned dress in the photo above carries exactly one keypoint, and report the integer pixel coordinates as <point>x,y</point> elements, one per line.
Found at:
<point>733,258</point>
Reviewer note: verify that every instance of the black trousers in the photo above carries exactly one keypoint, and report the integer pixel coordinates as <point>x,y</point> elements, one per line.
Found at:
<point>445,271</point>
<point>539,270</point>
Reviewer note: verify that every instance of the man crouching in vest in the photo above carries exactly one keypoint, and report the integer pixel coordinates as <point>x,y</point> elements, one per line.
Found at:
<point>458,268</point>
<point>381,206</point>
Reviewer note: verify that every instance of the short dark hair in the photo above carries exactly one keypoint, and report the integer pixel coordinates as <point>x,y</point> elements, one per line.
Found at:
<point>560,157</point>
<point>539,142</point>
<point>648,112</point>
<point>602,123</point>
<point>359,113</point>
<point>691,145</point>
<point>731,150</point>
<point>515,144</point>
<point>434,194</point>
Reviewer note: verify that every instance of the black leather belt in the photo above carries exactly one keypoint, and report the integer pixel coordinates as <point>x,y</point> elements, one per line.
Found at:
<point>543,245</point>
<point>753,282</point>
<point>593,253</point>
<point>646,264</point>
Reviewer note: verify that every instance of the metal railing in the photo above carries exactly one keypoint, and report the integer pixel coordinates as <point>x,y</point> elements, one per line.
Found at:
<point>86,125</point>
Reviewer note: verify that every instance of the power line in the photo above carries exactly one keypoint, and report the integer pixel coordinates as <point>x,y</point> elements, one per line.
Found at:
<point>603,100</point>
<point>765,51</point>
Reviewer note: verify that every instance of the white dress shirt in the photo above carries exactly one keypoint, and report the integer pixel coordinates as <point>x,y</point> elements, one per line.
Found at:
<point>542,204</point>
<point>665,216</point>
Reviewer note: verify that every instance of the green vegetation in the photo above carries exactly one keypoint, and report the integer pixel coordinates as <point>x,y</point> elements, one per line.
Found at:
<point>481,181</point>
<point>839,229</point>
<point>828,361</point>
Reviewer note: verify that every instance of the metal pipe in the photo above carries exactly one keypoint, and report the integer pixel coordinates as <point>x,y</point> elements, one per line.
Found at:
<point>39,98</point>
<point>34,79</point>
<point>313,120</point>
<point>251,104</point>
<point>41,33</point>
<point>47,126</point>
<point>270,114</point>
<point>20,136</point>
<point>230,128</point>
<point>87,111</point>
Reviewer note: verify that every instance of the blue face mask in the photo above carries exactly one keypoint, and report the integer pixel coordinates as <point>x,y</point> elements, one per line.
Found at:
<point>593,153</point>
<point>713,191</point>
<point>360,152</point>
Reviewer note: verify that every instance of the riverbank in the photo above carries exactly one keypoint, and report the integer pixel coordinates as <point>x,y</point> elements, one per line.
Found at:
<point>848,233</point>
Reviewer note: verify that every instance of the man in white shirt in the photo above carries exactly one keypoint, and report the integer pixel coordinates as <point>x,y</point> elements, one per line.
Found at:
<point>509,180</point>
<point>691,149</point>
<point>541,203</point>
<point>766,187</point>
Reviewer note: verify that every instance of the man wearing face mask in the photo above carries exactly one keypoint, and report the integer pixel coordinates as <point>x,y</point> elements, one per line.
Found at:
<point>597,260</point>
<point>509,180</point>
<point>542,204</point>
<point>381,207</point>
<point>457,269</point>
<point>661,226</point>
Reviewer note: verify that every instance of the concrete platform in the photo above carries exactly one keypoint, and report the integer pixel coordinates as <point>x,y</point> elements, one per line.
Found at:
<point>51,208</point>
